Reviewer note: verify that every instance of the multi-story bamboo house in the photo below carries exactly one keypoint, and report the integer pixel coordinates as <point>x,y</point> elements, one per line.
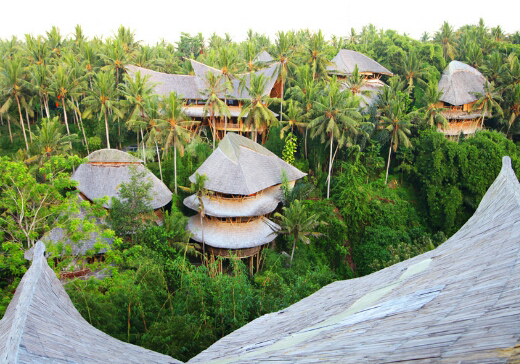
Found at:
<point>344,63</point>
<point>244,180</point>
<point>460,84</point>
<point>192,87</point>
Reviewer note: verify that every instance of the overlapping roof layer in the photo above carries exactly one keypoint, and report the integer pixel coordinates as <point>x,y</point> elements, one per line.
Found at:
<point>346,60</point>
<point>460,83</point>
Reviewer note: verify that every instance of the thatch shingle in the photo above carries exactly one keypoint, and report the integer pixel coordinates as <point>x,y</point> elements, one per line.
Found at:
<point>41,325</point>
<point>457,303</point>
<point>346,60</point>
<point>112,156</point>
<point>459,83</point>
<point>240,166</point>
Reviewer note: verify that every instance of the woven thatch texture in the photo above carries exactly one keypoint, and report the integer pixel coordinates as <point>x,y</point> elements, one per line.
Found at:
<point>457,303</point>
<point>459,83</point>
<point>262,204</point>
<point>242,167</point>
<point>41,325</point>
<point>96,181</point>
<point>346,60</point>
<point>233,235</point>
<point>112,156</point>
<point>165,83</point>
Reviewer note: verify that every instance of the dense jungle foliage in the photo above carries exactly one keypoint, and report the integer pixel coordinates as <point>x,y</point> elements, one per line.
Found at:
<point>62,97</point>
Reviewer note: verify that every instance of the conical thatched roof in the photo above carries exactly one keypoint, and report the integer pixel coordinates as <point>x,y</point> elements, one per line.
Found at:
<point>41,325</point>
<point>242,167</point>
<point>346,60</point>
<point>233,235</point>
<point>459,303</point>
<point>104,179</point>
<point>459,83</point>
<point>263,57</point>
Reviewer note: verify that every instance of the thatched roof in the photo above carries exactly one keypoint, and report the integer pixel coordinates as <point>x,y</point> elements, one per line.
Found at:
<point>240,166</point>
<point>457,303</point>
<point>112,156</point>
<point>233,235</point>
<point>459,83</point>
<point>346,60</point>
<point>374,87</point>
<point>41,325</point>
<point>262,204</point>
<point>263,57</point>
<point>197,111</point>
<point>99,180</point>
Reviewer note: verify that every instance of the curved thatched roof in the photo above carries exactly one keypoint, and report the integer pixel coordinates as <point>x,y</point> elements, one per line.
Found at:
<point>459,83</point>
<point>262,204</point>
<point>346,60</point>
<point>263,57</point>
<point>233,235</point>
<point>457,303</point>
<point>240,166</point>
<point>99,180</point>
<point>41,325</point>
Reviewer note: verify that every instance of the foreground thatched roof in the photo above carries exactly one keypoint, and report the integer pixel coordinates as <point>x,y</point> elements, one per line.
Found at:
<point>41,325</point>
<point>233,235</point>
<point>346,60</point>
<point>99,180</point>
<point>459,83</point>
<point>457,303</point>
<point>242,167</point>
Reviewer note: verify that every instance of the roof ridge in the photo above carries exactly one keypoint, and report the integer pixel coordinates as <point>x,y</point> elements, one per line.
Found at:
<point>26,298</point>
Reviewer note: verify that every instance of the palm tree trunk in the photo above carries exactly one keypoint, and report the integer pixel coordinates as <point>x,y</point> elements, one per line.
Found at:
<point>225,120</point>
<point>203,245</point>
<point>106,127</point>
<point>46,102</point>
<point>281,100</point>
<point>160,168</point>
<point>388,163</point>
<point>41,106</point>
<point>142,141</point>
<point>22,123</point>
<point>330,164</point>
<point>213,127</point>
<point>306,130</point>
<point>66,121</point>
<point>293,247</point>
<point>28,124</point>
<point>8,126</point>
<point>175,163</point>
<point>81,125</point>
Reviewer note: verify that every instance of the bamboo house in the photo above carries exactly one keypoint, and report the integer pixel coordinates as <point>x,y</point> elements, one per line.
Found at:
<point>245,183</point>
<point>192,87</point>
<point>106,169</point>
<point>460,83</point>
<point>344,63</point>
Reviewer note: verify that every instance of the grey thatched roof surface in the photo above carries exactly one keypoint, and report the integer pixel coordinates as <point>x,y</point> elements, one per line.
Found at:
<point>459,83</point>
<point>41,325</point>
<point>185,85</point>
<point>346,60</point>
<point>112,156</point>
<point>262,204</point>
<point>375,87</point>
<point>263,57</point>
<point>457,303</point>
<point>236,235</point>
<point>96,181</point>
<point>242,167</point>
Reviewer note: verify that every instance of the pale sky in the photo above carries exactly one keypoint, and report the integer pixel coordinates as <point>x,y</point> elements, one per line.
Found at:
<point>152,20</point>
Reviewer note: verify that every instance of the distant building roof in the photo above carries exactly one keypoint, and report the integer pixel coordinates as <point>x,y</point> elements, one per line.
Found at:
<point>263,57</point>
<point>236,235</point>
<point>346,60</point>
<point>99,180</point>
<point>240,166</point>
<point>459,83</point>
<point>457,303</point>
<point>41,325</point>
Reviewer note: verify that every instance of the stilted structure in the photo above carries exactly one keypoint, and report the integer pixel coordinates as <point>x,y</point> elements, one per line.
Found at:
<point>245,183</point>
<point>192,87</point>
<point>459,84</point>
<point>458,303</point>
<point>106,169</point>
<point>41,325</point>
<point>345,62</point>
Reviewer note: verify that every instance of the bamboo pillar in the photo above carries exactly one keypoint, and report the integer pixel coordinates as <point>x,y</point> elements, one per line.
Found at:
<point>251,265</point>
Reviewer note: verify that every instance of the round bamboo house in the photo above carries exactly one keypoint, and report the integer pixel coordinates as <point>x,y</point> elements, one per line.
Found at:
<point>244,180</point>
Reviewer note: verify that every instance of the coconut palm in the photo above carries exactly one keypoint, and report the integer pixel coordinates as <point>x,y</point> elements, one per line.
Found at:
<point>335,110</point>
<point>515,106</point>
<point>227,61</point>
<point>294,117</point>
<point>102,99</point>
<point>40,79</point>
<point>298,222</point>
<point>200,193</point>
<point>432,114</point>
<point>215,87</point>
<point>284,51</point>
<point>49,140</point>
<point>446,37</point>
<point>412,68</point>
<point>115,57</point>
<point>314,54</point>
<point>488,101</point>
<point>355,82</point>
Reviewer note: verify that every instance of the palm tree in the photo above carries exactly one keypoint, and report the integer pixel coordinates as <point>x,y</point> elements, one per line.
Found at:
<point>215,87</point>
<point>12,83</point>
<point>227,60</point>
<point>102,99</point>
<point>40,80</point>
<point>115,58</point>
<point>314,54</point>
<point>201,192</point>
<point>446,37</point>
<point>256,108</point>
<point>298,222</point>
<point>515,106</point>
<point>174,125</point>
<point>335,110</point>
<point>412,68</point>
<point>294,118</point>
<point>432,114</point>
<point>284,50</point>
<point>49,140</point>
<point>488,101</point>
<point>355,82</point>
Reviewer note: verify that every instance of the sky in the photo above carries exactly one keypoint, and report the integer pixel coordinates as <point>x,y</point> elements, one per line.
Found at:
<point>152,20</point>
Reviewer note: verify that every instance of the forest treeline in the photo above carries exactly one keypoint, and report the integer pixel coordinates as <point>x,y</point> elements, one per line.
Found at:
<point>383,184</point>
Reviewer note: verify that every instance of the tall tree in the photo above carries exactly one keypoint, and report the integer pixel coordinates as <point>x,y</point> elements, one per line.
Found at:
<point>488,101</point>
<point>433,114</point>
<point>215,87</point>
<point>446,37</point>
